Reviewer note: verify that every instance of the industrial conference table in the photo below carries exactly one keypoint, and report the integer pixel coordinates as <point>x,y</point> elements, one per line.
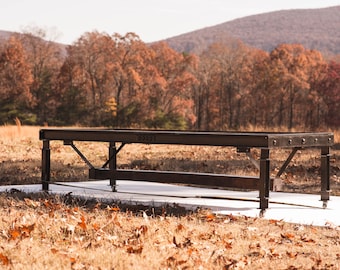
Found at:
<point>243,141</point>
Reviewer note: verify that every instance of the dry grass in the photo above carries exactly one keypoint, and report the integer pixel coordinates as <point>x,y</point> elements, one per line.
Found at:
<point>40,232</point>
<point>52,233</point>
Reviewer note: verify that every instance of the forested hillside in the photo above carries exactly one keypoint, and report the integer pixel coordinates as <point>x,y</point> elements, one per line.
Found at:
<point>313,28</point>
<point>120,81</point>
<point>4,35</point>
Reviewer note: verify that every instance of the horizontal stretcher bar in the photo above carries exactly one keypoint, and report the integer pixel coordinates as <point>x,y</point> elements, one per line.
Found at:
<point>171,177</point>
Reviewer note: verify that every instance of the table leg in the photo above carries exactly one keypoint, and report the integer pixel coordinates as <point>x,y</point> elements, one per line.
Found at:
<point>264,178</point>
<point>113,165</point>
<point>325,175</point>
<point>46,165</point>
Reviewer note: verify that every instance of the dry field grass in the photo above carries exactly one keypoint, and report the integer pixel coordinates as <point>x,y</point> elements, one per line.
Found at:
<point>55,233</point>
<point>38,231</point>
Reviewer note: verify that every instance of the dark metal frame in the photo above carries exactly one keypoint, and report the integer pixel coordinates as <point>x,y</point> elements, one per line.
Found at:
<point>243,141</point>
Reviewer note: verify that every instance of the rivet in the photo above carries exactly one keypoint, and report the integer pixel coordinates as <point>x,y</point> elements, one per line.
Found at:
<point>290,141</point>
<point>303,141</point>
<point>274,142</point>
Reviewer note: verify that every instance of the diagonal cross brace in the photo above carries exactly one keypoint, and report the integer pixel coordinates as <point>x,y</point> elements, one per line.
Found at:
<point>284,166</point>
<point>70,143</point>
<point>111,157</point>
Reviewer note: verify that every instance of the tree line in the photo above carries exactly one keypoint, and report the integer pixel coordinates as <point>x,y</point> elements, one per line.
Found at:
<point>120,81</point>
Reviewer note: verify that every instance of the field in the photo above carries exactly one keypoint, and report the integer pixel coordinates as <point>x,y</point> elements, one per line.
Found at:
<point>40,231</point>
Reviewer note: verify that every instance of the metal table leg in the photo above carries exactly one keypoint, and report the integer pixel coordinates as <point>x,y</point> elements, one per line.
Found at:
<point>46,165</point>
<point>325,175</point>
<point>264,179</point>
<point>113,165</point>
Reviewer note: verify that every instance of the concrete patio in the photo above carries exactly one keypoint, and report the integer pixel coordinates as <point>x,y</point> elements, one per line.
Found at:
<point>290,207</point>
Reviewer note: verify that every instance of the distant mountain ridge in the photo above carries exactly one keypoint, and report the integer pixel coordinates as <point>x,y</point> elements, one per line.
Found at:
<point>5,35</point>
<point>313,28</point>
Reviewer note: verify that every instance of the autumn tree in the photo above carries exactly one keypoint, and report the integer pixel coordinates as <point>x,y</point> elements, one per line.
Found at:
<point>45,58</point>
<point>108,72</point>
<point>131,70</point>
<point>86,77</point>
<point>171,96</point>
<point>15,81</point>
<point>202,94</point>
<point>313,108</point>
<point>258,104</point>
<point>226,85</point>
<point>73,101</point>
<point>329,91</point>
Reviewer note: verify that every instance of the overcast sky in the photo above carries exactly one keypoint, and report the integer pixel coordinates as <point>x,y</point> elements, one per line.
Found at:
<point>152,20</point>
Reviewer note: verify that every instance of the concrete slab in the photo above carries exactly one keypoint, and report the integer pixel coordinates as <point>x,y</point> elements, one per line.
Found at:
<point>290,207</point>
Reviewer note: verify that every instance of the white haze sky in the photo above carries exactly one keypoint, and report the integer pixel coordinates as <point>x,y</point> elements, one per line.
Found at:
<point>152,20</point>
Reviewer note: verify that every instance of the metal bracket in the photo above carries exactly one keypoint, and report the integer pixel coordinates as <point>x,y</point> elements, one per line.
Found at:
<point>246,150</point>
<point>243,149</point>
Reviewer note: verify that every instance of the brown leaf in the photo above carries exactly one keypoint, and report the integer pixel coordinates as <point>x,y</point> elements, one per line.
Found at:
<point>31,203</point>
<point>291,254</point>
<point>96,226</point>
<point>27,229</point>
<point>274,253</point>
<point>179,227</point>
<point>141,230</point>
<point>210,216</point>
<point>307,240</point>
<point>82,224</point>
<point>289,236</point>
<point>271,240</point>
<point>54,251</point>
<point>232,217</point>
<point>278,223</point>
<point>114,209</point>
<point>273,221</point>
<point>14,233</point>
<point>21,231</point>
<point>134,250</point>
<point>228,245</point>
<point>185,244</point>
<point>4,259</point>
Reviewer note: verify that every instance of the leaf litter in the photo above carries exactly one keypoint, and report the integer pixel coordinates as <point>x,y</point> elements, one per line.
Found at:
<point>96,235</point>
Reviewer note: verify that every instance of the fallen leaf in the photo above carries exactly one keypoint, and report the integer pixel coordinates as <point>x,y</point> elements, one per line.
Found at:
<point>228,245</point>
<point>54,251</point>
<point>291,254</point>
<point>31,203</point>
<point>96,226</point>
<point>179,227</point>
<point>114,209</point>
<point>210,216</point>
<point>289,236</point>
<point>82,224</point>
<point>14,233</point>
<point>185,244</point>
<point>141,230</point>
<point>27,229</point>
<point>307,240</point>
<point>134,250</point>
<point>4,259</point>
